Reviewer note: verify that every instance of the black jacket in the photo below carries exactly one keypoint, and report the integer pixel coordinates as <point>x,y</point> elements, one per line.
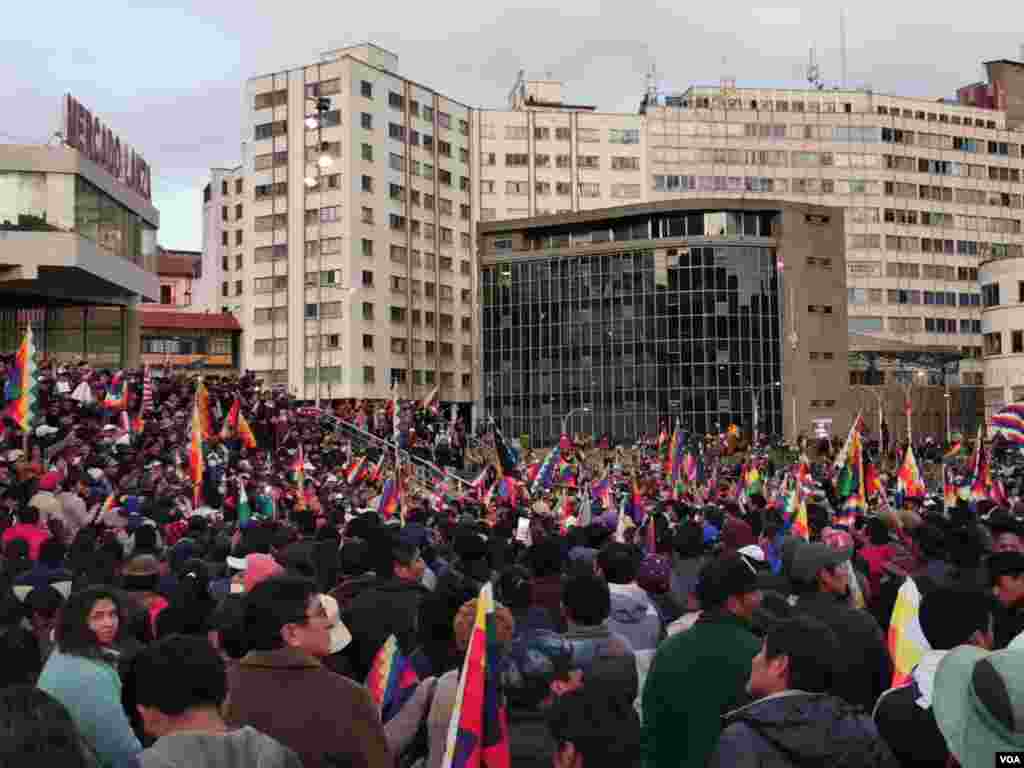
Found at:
<point>386,608</point>
<point>801,730</point>
<point>910,730</point>
<point>865,670</point>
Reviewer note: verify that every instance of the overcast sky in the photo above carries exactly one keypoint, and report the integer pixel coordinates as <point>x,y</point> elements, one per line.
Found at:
<point>169,80</point>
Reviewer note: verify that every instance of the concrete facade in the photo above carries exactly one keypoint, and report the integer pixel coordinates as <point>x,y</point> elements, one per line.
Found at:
<point>71,234</point>
<point>368,265</point>
<point>1002,325</point>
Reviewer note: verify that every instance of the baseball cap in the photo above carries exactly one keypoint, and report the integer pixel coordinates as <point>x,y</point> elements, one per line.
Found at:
<point>340,636</point>
<point>809,558</point>
<point>724,577</point>
<point>979,703</point>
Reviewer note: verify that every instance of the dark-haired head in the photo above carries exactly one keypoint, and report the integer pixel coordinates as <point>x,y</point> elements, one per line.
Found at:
<point>36,729</point>
<point>171,678</point>
<point>89,622</point>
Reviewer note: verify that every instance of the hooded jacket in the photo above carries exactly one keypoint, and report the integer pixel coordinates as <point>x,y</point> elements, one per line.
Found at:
<point>635,617</point>
<point>243,748</point>
<point>799,729</point>
<point>388,607</point>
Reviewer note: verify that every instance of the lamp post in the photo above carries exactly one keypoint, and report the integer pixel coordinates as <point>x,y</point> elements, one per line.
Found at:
<point>323,161</point>
<point>908,403</point>
<point>565,419</point>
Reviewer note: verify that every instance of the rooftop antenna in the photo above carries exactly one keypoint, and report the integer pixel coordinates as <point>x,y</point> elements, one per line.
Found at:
<point>842,44</point>
<point>814,71</point>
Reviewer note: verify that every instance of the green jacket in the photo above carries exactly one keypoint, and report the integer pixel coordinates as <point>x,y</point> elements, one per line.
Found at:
<point>696,677</point>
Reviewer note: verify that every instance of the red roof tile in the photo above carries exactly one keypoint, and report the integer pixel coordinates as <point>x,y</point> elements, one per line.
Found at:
<point>210,321</point>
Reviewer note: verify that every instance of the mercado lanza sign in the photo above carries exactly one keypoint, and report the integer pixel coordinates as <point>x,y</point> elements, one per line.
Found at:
<point>86,133</point>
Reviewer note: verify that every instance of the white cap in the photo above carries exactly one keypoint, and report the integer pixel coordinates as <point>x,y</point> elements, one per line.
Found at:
<point>752,551</point>
<point>340,636</point>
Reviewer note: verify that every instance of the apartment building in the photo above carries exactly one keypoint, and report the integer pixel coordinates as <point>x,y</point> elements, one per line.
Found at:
<point>1002,325</point>
<point>346,236</point>
<point>930,189</point>
<point>543,155</point>
<point>224,210</point>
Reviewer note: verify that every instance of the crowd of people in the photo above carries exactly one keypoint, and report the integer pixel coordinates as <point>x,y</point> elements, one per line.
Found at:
<point>734,614</point>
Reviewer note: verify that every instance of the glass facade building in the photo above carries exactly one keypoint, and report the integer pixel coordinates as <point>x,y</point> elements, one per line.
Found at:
<point>641,319</point>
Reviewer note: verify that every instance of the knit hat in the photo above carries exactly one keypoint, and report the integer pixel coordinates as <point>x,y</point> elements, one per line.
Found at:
<point>979,703</point>
<point>655,574</point>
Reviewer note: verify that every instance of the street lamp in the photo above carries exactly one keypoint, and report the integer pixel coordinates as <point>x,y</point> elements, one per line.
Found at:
<point>565,419</point>
<point>323,162</point>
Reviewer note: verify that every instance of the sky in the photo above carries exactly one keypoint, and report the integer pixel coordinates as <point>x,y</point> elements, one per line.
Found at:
<point>169,79</point>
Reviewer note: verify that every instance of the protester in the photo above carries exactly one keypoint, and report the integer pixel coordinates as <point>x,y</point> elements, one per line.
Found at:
<point>794,720</point>
<point>281,688</point>
<point>1006,574</point>
<point>28,529</point>
<point>176,688</point>
<point>712,660</point>
<point>949,617</point>
<point>822,579</point>
<point>36,730</point>
<point>581,725</point>
<point>977,704</point>
<point>633,614</point>
<point>81,673</point>
<point>390,606</point>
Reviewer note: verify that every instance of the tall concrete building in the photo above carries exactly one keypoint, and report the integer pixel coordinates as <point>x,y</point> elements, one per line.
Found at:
<point>346,241</point>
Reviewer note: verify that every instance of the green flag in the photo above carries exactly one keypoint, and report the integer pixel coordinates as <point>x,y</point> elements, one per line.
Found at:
<point>244,510</point>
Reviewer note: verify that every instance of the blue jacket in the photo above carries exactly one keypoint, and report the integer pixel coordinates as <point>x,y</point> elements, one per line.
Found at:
<point>796,728</point>
<point>90,689</point>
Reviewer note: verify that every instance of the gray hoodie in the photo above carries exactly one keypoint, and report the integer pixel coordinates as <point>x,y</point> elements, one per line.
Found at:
<point>243,748</point>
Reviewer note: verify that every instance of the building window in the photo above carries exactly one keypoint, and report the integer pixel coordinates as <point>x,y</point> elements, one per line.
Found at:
<point>312,311</point>
<point>367,247</point>
<point>990,295</point>
<point>368,341</point>
<point>368,374</point>
<point>397,314</point>
<point>367,310</point>
<point>166,294</point>
<point>993,343</point>
<point>367,278</point>
<point>466,323</point>
<point>366,121</point>
<point>1017,342</point>
<point>366,89</point>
